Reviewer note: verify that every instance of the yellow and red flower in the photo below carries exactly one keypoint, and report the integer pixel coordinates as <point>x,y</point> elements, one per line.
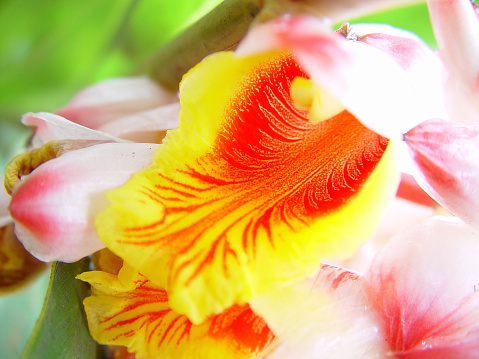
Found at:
<point>249,193</point>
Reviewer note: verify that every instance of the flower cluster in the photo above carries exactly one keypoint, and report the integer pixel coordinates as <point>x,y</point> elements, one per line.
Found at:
<point>280,157</point>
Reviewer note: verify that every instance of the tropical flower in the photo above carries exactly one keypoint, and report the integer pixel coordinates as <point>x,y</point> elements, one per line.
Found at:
<point>248,193</point>
<point>280,161</point>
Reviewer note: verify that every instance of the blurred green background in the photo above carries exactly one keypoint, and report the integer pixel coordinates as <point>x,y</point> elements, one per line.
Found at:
<point>50,50</point>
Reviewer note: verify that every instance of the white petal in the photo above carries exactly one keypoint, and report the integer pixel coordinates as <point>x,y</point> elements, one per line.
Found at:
<point>55,206</point>
<point>148,122</point>
<point>447,155</point>
<point>456,27</point>
<point>114,98</point>
<point>322,318</point>
<point>53,127</point>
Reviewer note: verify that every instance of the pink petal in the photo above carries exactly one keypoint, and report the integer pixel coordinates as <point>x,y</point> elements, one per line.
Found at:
<point>447,155</point>
<point>111,99</point>
<point>384,93</point>
<point>54,207</point>
<point>325,317</point>
<point>144,126</point>
<point>424,69</point>
<point>423,287</point>
<point>51,127</point>
<point>456,27</point>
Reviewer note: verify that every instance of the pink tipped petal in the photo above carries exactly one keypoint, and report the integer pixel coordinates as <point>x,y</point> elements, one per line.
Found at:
<point>423,288</point>
<point>144,126</point>
<point>54,207</point>
<point>115,98</point>
<point>447,155</point>
<point>367,81</point>
<point>322,318</point>
<point>51,127</point>
<point>456,27</point>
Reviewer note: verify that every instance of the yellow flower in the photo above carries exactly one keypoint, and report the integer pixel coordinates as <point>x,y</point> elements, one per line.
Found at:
<point>248,193</point>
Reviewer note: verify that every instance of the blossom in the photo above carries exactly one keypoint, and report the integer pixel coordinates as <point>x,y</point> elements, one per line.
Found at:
<point>248,193</point>
<point>279,162</point>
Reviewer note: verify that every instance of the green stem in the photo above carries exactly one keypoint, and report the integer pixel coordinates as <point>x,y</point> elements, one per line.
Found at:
<point>226,25</point>
<point>219,30</point>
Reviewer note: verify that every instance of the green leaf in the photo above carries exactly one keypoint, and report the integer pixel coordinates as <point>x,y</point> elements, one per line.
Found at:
<point>50,49</point>
<point>62,329</point>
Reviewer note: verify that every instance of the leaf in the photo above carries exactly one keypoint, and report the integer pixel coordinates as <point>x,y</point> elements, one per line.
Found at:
<point>62,330</point>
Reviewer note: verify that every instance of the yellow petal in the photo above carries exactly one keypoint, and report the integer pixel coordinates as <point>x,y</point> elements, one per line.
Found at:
<point>130,310</point>
<point>248,193</point>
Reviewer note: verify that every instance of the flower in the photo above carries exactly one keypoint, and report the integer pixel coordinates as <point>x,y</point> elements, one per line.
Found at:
<point>280,161</point>
<point>248,193</point>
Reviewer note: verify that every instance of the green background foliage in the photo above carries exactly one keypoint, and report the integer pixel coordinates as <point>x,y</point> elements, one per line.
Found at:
<point>50,50</point>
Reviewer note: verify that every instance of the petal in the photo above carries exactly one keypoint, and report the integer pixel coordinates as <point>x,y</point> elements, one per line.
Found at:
<point>456,28</point>
<point>324,318</point>
<point>424,71</point>
<point>368,81</point>
<point>49,127</point>
<point>447,155</point>
<point>423,287</point>
<point>130,310</point>
<point>247,193</point>
<point>53,208</point>
<point>144,126</point>
<point>115,98</point>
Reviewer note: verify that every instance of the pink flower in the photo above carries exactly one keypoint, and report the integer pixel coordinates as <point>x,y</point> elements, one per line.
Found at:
<point>418,299</point>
